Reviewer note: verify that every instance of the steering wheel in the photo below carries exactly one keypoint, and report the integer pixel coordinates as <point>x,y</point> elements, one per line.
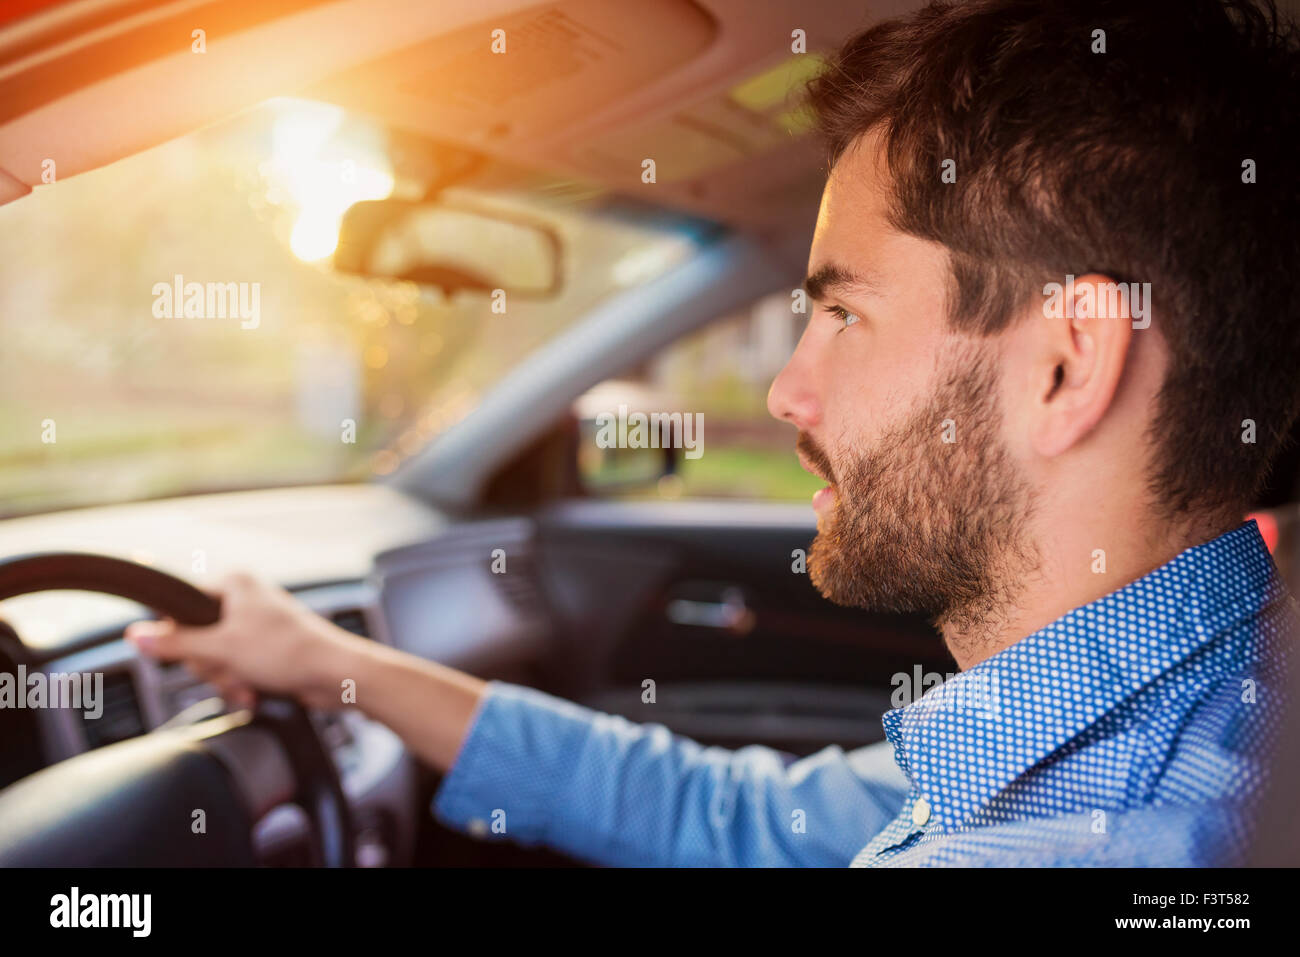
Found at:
<point>135,802</point>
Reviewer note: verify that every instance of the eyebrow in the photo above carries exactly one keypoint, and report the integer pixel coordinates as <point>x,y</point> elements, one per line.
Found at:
<point>832,278</point>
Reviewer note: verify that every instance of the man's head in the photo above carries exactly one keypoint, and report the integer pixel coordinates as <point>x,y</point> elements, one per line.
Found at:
<point>986,365</point>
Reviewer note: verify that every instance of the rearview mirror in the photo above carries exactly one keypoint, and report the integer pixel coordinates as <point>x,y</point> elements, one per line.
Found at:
<point>451,246</point>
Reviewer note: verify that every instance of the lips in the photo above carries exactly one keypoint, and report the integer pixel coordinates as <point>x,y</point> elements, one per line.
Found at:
<point>823,497</point>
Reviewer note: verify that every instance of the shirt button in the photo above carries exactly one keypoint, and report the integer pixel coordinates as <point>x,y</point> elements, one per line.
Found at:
<point>920,812</point>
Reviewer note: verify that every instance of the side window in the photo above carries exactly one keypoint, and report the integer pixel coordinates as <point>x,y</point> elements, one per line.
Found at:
<point>708,392</point>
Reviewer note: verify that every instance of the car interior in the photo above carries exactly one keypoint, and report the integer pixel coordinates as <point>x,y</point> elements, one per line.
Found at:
<point>639,190</point>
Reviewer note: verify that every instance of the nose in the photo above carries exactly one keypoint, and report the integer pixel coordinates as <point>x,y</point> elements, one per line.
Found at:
<point>793,396</point>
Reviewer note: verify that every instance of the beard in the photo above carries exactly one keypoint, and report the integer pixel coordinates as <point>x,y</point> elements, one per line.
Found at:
<point>920,524</point>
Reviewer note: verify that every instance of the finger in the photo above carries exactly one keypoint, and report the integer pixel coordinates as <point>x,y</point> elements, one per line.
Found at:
<point>169,641</point>
<point>219,678</point>
<point>241,696</point>
<point>204,671</point>
<point>147,636</point>
<point>233,691</point>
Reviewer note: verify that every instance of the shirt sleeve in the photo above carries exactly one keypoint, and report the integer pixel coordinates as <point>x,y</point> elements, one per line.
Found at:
<point>536,769</point>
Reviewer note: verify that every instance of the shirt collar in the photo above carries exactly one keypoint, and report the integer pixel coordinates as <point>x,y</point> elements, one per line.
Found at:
<point>1033,697</point>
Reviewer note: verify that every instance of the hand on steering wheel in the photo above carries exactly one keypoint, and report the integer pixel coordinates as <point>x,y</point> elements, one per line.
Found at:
<point>265,640</point>
<point>167,757</point>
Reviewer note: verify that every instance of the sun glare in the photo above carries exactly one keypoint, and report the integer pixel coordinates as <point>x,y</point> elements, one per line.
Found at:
<point>324,166</point>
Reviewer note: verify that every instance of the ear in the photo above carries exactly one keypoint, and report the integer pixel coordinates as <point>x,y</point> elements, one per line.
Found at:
<point>1085,342</point>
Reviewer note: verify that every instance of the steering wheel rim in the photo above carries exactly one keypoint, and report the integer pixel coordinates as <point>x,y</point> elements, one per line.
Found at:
<point>319,789</point>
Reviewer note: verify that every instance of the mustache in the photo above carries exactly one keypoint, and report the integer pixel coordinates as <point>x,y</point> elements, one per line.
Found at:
<point>806,446</point>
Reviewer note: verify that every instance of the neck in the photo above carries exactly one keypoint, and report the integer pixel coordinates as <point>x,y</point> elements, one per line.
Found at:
<point>1065,566</point>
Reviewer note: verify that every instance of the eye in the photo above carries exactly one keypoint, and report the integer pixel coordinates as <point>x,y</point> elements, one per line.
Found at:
<point>843,315</point>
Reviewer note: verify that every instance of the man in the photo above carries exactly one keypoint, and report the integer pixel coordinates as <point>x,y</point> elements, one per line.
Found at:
<point>1053,354</point>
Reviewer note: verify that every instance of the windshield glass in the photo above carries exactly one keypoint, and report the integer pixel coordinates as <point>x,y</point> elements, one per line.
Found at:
<point>172,323</point>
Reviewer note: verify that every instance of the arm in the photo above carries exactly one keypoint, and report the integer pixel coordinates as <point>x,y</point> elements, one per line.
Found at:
<point>610,791</point>
<point>428,705</point>
<point>594,785</point>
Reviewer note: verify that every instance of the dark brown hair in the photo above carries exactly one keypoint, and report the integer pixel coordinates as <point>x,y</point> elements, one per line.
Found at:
<point>1127,163</point>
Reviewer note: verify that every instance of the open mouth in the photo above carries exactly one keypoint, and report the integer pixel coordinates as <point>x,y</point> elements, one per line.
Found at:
<point>823,497</point>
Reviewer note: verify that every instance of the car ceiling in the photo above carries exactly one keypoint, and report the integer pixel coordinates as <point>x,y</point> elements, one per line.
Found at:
<point>587,89</point>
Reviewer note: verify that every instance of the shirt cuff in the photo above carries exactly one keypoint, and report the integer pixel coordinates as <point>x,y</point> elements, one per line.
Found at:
<point>504,781</point>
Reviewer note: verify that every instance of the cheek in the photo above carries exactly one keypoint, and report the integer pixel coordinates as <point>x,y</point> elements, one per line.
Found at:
<point>867,393</point>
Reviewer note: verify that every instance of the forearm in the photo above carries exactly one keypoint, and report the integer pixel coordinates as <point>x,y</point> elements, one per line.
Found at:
<point>599,787</point>
<point>606,790</point>
<point>428,705</point>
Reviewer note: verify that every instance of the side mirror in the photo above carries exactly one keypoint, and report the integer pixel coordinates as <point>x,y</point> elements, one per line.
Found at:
<point>614,454</point>
<point>454,247</point>
<point>613,469</point>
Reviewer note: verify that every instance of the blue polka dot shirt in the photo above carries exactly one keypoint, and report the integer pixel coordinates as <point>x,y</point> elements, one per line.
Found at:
<point>1132,731</point>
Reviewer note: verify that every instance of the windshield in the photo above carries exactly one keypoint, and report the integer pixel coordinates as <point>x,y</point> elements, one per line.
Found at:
<point>119,385</point>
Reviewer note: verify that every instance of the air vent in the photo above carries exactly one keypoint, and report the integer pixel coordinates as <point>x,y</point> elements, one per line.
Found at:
<point>121,717</point>
<point>353,620</point>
